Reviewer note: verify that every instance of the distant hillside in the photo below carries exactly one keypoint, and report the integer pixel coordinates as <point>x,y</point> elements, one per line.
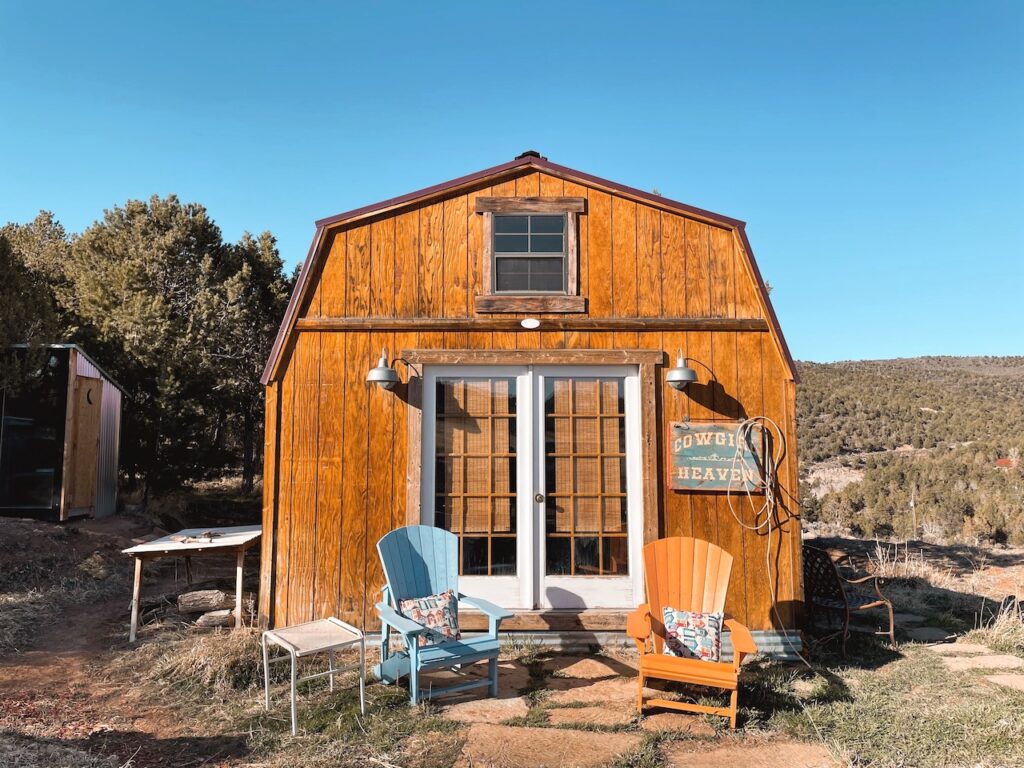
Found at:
<point>910,447</point>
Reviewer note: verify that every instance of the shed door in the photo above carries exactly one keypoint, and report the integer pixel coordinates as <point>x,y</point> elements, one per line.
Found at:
<point>536,470</point>
<point>85,441</point>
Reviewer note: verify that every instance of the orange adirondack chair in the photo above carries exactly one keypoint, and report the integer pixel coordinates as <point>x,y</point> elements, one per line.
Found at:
<point>688,575</point>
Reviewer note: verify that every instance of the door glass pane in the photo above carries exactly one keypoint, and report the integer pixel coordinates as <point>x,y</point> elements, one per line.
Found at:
<point>474,556</point>
<point>585,555</point>
<point>559,562</point>
<point>614,556</point>
<point>503,556</point>
<point>585,470</point>
<point>475,471</point>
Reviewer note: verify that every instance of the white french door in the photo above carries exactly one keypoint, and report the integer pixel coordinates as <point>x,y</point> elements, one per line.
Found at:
<point>537,470</point>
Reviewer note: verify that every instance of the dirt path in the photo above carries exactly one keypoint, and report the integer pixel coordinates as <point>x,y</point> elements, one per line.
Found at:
<point>62,652</point>
<point>57,693</point>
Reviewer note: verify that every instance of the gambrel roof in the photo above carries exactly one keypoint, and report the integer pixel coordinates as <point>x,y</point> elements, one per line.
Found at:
<point>526,161</point>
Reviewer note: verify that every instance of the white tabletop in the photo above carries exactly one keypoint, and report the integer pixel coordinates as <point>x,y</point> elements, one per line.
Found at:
<point>314,636</point>
<point>198,539</point>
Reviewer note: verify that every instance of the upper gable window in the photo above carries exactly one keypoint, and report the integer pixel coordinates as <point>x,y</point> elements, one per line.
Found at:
<point>529,260</point>
<point>529,253</point>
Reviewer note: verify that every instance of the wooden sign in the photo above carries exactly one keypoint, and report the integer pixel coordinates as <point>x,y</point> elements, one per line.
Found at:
<point>705,456</point>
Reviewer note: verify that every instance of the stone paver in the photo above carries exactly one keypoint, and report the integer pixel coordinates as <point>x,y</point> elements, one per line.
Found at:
<point>487,710</point>
<point>928,634</point>
<point>589,668</point>
<point>677,721</point>
<point>617,691</point>
<point>591,716</point>
<point>499,746</point>
<point>1007,680</point>
<point>993,661</point>
<point>769,755</point>
<point>960,649</point>
<point>627,657</point>
<point>512,678</point>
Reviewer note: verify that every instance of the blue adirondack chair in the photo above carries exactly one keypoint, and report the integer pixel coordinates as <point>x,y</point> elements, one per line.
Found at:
<point>419,561</point>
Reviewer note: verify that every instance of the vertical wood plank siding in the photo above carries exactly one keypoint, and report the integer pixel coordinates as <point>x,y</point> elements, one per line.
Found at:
<point>336,471</point>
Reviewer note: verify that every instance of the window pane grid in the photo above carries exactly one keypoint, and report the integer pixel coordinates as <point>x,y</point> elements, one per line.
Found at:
<point>586,532</point>
<point>475,469</point>
<point>529,254</point>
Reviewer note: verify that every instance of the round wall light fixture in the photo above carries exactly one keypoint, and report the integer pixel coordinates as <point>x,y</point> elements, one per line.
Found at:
<point>383,374</point>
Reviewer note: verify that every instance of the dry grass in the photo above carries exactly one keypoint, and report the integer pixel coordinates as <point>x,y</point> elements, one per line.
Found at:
<point>216,679</point>
<point>890,562</point>
<point>197,665</point>
<point>886,709</point>
<point>948,590</point>
<point>46,574</point>
<point>900,714</point>
<point>1003,632</point>
<point>18,751</point>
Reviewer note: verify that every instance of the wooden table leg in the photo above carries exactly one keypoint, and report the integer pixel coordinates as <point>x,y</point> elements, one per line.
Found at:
<point>238,589</point>
<point>135,599</point>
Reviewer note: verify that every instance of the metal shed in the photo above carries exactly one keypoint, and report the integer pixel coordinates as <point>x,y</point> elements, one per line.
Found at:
<point>60,440</point>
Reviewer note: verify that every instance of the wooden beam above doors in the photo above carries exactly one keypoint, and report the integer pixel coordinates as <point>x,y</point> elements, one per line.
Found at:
<point>534,356</point>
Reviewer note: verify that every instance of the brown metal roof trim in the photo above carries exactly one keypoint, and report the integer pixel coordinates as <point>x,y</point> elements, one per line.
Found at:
<point>291,313</point>
<point>773,320</point>
<point>538,163</point>
<point>436,189</point>
<point>520,163</point>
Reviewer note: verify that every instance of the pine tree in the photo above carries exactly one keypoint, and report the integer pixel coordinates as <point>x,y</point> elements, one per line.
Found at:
<point>26,316</point>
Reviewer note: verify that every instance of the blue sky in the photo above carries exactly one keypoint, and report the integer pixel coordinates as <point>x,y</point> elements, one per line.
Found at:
<point>876,150</point>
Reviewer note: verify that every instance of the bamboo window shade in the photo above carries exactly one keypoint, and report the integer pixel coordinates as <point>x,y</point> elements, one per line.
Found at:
<point>476,471</point>
<point>586,476</point>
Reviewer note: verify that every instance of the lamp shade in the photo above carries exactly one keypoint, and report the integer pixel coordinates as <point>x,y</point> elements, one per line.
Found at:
<point>680,375</point>
<point>383,374</point>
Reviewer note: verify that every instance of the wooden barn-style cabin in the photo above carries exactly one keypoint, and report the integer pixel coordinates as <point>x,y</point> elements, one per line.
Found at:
<point>533,314</point>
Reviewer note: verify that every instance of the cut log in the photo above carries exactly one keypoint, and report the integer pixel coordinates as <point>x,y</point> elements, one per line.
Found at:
<point>204,600</point>
<point>224,618</point>
<point>149,602</point>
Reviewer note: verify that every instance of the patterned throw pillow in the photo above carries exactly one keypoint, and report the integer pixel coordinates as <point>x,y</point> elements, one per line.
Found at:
<point>693,635</point>
<point>438,613</point>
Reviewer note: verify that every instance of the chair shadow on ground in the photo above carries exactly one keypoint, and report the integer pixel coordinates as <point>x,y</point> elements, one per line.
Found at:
<point>128,748</point>
<point>537,669</point>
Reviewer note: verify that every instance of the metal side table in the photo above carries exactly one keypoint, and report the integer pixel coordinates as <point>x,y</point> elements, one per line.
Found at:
<point>323,635</point>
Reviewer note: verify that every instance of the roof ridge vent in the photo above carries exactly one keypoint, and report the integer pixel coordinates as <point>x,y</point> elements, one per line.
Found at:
<point>531,153</point>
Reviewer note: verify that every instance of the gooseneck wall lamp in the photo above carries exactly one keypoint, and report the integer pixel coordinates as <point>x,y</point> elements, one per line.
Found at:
<point>383,374</point>
<point>681,374</point>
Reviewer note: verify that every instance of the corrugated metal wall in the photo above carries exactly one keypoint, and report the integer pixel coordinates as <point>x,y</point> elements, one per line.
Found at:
<point>110,439</point>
